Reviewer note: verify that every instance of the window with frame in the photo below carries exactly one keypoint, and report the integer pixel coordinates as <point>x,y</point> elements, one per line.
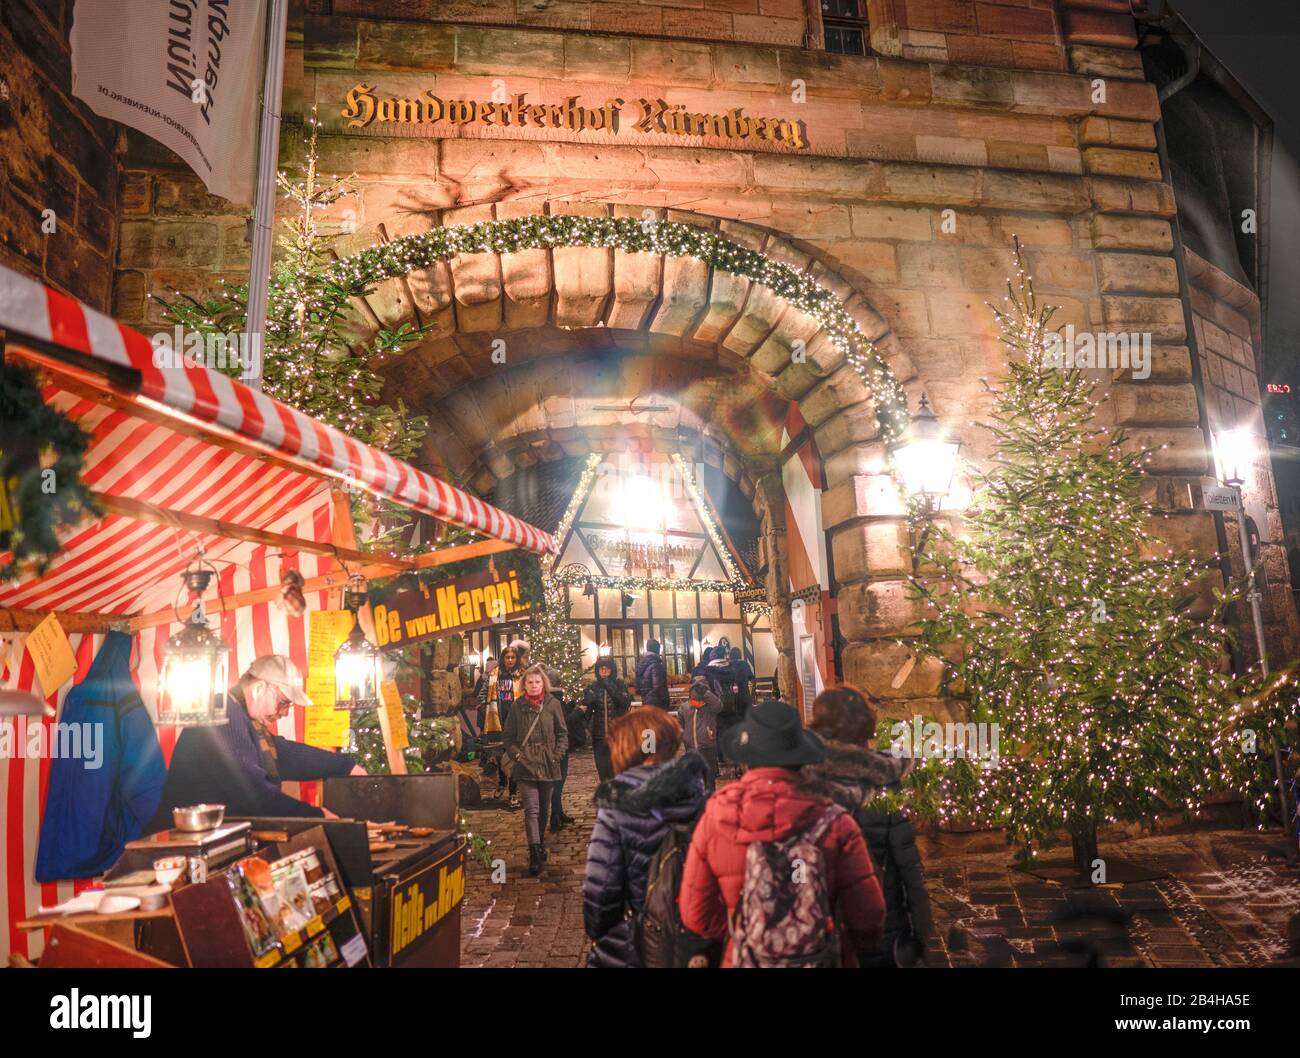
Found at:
<point>844,26</point>
<point>676,640</point>
<point>624,649</point>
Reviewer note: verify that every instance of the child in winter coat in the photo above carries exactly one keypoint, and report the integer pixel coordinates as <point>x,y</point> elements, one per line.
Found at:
<point>698,716</point>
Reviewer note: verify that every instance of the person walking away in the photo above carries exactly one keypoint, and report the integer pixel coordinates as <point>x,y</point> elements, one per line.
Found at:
<point>604,700</point>
<point>650,795</point>
<point>783,876</point>
<point>742,673</point>
<point>652,676</point>
<point>698,716</point>
<point>535,741</point>
<point>715,669</point>
<point>855,775</point>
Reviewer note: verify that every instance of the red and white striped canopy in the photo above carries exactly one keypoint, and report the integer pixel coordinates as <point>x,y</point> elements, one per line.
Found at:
<point>192,441</point>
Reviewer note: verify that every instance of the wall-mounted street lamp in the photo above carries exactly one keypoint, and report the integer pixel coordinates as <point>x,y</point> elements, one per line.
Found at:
<point>1234,452</point>
<point>1234,455</point>
<point>925,460</point>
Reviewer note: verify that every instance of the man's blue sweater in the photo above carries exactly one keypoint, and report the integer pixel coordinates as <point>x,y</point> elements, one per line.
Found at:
<point>223,765</point>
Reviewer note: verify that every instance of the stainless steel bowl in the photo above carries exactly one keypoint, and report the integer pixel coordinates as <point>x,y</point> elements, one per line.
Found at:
<point>194,818</point>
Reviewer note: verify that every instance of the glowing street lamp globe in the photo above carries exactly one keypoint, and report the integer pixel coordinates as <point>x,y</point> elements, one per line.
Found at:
<point>358,668</point>
<point>926,460</point>
<point>1234,452</point>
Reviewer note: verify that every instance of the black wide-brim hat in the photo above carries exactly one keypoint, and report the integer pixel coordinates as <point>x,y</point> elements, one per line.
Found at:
<point>771,736</point>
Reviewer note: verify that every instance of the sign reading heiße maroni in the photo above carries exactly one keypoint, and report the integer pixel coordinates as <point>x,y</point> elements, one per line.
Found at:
<point>364,107</point>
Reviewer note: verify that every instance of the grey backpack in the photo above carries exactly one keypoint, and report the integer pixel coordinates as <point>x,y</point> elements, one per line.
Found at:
<point>784,916</point>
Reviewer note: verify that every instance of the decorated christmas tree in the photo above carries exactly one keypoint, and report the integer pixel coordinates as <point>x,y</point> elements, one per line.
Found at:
<point>317,357</point>
<point>554,640</point>
<point>1062,618</point>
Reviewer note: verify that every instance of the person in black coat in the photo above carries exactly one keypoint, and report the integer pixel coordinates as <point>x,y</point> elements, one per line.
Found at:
<point>633,812</point>
<point>854,775</point>
<point>743,675</point>
<point>604,700</point>
<point>652,676</point>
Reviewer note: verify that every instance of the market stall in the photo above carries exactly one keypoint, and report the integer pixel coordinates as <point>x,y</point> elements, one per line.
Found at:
<point>182,460</point>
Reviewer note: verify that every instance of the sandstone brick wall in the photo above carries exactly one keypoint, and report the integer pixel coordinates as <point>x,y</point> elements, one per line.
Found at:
<point>54,155</point>
<point>172,235</point>
<point>1005,33</point>
<point>923,160</point>
<point>1226,320</point>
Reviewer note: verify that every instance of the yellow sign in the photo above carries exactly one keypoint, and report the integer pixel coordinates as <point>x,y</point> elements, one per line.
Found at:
<point>425,901</point>
<point>364,107</point>
<point>8,510</point>
<point>392,719</point>
<point>51,654</point>
<point>475,600</point>
<point>326,726</point>
<point>326,631</point>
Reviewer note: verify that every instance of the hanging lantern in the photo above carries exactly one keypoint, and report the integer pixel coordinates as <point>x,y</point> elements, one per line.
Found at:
<point>358,664</point>
<point>195,662</point>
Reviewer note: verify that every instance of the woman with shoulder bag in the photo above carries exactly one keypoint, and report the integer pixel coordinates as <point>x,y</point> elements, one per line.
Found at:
<point>536,740</point>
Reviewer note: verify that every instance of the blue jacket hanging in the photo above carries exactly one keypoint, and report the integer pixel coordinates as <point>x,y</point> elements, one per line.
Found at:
<point>94,806</point>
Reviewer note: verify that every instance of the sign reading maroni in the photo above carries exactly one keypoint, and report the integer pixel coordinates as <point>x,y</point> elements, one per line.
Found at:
<point>364,107</point>
<point>461,605</point>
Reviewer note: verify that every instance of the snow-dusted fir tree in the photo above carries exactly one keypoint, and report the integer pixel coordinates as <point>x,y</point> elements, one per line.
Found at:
<point>1076,629</point>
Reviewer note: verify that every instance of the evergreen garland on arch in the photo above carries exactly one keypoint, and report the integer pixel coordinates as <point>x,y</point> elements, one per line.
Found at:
<point>42,457</point>
<point>630,235</point>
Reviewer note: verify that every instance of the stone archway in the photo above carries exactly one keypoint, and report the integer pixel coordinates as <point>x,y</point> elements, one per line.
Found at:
<point>685,290</point>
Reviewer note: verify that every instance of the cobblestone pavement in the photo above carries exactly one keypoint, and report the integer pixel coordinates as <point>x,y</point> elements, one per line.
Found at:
<point>1224,900</point>
<point>528,921</point>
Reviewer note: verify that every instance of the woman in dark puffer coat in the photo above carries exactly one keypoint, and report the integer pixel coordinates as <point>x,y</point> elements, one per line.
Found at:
<point>854,775</point>
<point>634,810</point>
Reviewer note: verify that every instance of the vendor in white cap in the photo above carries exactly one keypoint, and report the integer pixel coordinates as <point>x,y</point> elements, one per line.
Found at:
<point>240,764</point>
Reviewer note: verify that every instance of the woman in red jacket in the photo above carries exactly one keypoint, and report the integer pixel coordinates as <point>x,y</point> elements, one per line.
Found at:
<point>766,806</point>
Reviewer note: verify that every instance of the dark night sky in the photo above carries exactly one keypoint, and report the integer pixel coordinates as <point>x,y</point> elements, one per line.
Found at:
<point>1259,41</point>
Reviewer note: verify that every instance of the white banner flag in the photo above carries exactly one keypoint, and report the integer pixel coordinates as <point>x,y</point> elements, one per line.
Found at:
<point>185,72</point>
